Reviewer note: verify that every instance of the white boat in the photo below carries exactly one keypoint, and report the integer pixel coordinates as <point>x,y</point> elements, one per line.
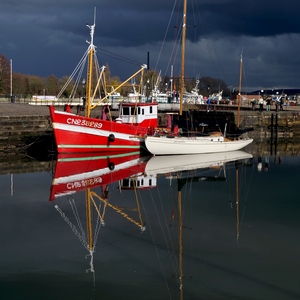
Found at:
<point>164,144</point>
<point>193,97</point>
<point>176,163</point>
<point>170,144</point>
<point>216,97</point>
<point>158,96</point>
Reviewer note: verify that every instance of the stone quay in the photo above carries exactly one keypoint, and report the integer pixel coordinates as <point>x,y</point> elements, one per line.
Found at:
<point>22,124</point>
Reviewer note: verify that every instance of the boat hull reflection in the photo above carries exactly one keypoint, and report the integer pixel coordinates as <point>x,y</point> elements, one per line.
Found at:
<point>78,172</point>
<point>176,163</point>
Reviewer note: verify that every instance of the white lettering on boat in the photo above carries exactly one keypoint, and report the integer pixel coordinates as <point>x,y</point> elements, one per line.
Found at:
<point>84,183</point>
<point>86,123</point>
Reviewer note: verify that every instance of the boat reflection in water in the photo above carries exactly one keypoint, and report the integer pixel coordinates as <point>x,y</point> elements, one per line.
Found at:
<point>77,172</point>
<point>84,172</point>
<point>94,174</point>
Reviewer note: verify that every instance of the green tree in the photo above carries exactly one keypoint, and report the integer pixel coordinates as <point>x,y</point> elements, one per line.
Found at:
<point>209,85</point>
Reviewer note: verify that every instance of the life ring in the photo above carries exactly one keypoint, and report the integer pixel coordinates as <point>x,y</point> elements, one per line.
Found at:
<point>111,137</point>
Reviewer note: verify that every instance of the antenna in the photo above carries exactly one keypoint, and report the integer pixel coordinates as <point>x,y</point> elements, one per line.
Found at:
<point>95,16</point>
<point>92,28</point>
<point>242,52</point>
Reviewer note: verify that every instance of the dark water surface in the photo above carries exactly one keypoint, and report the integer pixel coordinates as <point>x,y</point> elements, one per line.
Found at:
<point>226,250</point>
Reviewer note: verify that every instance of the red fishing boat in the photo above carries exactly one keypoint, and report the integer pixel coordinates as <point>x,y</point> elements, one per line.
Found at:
<point>74,133</point>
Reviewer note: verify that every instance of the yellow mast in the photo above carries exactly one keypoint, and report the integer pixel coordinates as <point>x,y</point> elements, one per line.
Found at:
<point>182,54</point>
<point>89,221</point>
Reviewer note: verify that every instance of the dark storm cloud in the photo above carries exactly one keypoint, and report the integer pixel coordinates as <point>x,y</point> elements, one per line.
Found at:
<point>45,38</point>
<point>252,18</point>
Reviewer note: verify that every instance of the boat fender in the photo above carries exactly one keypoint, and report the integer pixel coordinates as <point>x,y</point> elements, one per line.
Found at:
<point>111,166</point>
<point>111,137</point>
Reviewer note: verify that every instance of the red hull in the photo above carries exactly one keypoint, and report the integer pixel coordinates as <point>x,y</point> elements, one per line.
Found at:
<point>75,134</point>
<point>78,172</point>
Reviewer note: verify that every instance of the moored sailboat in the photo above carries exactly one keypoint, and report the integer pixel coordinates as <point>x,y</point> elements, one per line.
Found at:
<point>191,142</point>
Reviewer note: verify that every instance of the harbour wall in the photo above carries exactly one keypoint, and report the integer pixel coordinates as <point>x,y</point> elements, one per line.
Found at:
<point>22,125</point>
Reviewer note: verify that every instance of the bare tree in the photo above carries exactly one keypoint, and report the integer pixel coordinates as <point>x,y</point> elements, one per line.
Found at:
<point>4,75</point>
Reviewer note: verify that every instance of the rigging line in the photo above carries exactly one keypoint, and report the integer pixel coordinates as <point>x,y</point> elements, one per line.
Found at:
<point>175,51</point>
<point>195,37</point>
<point>73,228</point>
<point>247,195</point>
<point>138,204</point>
<point>98,226</point>
<point>176,46</point>
<point>76,214</point>
<point>27,146</point>
<point>211,47</point>
<point>155,246</point>
<point>119,57</point>
<point>99,220</point>
<point>76,84</point>
<point>81,62</point>
<point>171,253</point>
<point>42,165</point>
<point>164,39</point>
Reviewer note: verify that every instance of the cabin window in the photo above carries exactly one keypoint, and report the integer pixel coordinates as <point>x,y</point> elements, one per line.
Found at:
<point>150,109</point>
<point>139,110</point>
<point>143,112</point>
<point>126,111</point>
<point>150,182</point>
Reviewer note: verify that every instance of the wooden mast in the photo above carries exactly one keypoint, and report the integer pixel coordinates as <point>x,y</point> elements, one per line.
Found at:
<point>182,55</point>
<point>180,113</point>
<point>237,201</point>
<point>180,243</point>
<point>240,88</point>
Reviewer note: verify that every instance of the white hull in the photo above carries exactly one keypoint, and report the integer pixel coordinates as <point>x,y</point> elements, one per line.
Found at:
<point>176,163</point>
<point>168,106</point>
<point>164,145</point>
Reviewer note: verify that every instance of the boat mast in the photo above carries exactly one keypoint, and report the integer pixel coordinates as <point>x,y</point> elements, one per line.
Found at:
<point>90,67</point>
<point>240,88</point>
<point>180,243</point>
<point>237,201</point>
<point>182,55</point>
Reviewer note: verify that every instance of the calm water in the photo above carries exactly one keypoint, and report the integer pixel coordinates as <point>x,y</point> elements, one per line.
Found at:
<point>224,251</point>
